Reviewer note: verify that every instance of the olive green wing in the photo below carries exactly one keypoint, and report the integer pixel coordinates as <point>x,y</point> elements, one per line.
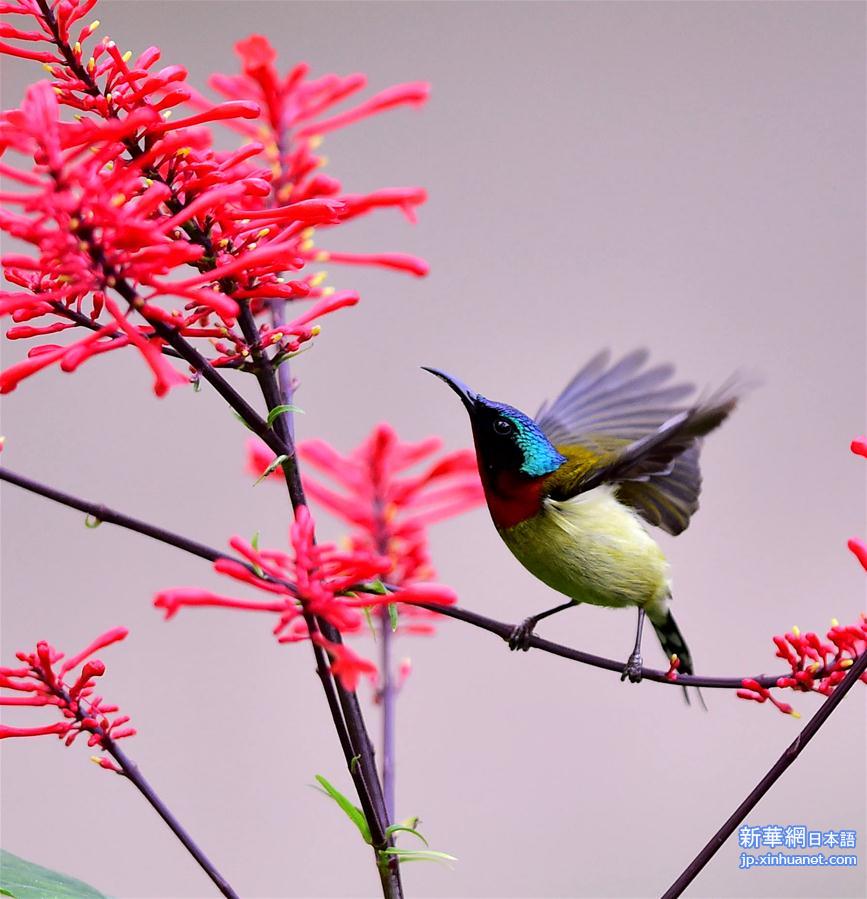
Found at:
<point>642,437</point>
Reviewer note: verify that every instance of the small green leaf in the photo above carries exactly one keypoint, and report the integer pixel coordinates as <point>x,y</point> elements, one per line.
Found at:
<point>254,542</point>
<point>240,419</point>
<point>376,587</point>
<point>6,893</point>
<point>279,410</point>
<point>353,812</point>
<point>272,467</point>
<point>411,822</point>
<point>92,522</point>
<point>369,617</point>
<point>392,615</point>
<point>25,880</point>
<point>353,764</point>
<point>395,828</point>
<point>418,855</point>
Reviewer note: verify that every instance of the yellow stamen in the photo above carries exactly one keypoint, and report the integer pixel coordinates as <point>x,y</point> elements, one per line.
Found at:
<point>307,245</point>
<point>118,200</point>
<point>264,232</point>
<point>318,278</point>
<point>796,631</point>
<point>328,291</point>
<point>845,663</point>
<point>795,714</point>
<point>127,56</point>
<point>316,141</point>
<point>316,330</point>
<point>322,256</point>
<point>93,26</point>
<point>91,65</point>
<point>76,48</point>
<point>835,623</point>
<point>307,233</point>
<point>252,246</point>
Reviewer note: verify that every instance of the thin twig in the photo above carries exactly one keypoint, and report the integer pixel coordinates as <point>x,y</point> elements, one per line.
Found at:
<point>500,628</point>
<point>132,773</point>
<point>794,750</point>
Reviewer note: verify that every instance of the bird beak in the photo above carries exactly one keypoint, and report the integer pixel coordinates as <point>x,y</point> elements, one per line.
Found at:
<point>468,397</point>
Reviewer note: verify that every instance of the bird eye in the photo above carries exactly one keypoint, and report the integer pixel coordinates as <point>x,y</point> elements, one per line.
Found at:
<point>503,426</point>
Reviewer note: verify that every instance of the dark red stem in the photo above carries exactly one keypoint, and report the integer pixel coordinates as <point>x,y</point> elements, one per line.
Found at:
<point>787,758</point>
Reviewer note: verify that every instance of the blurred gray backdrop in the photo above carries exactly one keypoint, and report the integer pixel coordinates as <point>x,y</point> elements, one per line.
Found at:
<point>685,176</point>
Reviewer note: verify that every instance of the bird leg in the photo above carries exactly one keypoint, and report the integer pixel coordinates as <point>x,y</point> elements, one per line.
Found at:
<point>632,670</point>
<point>520,636</point>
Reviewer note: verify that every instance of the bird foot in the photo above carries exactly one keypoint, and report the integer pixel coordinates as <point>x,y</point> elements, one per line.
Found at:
<point>632,669</point>
<point>520,636</point>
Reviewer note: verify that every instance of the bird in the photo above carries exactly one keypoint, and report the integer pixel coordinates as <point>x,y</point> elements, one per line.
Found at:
<point>573,490</point>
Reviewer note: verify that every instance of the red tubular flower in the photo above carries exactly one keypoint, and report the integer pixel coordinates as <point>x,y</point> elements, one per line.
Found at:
<point>38,683</point>
<point>316,579</point>
<point>389,510</point>
<point>125,198</point>
<point>818,666</point>
<point>346,664</point>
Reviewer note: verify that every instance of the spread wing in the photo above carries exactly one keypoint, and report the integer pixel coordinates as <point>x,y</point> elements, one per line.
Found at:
<point>647,437</point>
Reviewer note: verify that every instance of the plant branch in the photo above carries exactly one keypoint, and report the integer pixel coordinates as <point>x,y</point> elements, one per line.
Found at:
<point>132,773</point>
<point>500,628</point>
<point>783,762</point>
<point>364,773</point>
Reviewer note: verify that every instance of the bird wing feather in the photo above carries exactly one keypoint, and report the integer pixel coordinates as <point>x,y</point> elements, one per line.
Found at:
<point>622,424</point>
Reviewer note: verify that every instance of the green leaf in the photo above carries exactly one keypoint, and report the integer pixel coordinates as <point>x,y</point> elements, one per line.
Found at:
<point>418,855</point>
<point>392,615</point>
<point>240,419</point>
<point>279,410</point>
<point>6,893</point>
<point>353,763</point>
<point>25,880</point>
<point>353,812</point>
<point>395,828</point>
<point>369,617</point>
<point>272,467</point>
<point>376,587</point>
<point>92,522</point>
<point>254,542</point>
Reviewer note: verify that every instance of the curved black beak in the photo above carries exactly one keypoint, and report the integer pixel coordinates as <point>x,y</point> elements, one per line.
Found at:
<point>468,397</point>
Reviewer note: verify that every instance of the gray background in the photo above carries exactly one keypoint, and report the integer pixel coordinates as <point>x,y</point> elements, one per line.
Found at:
<point>685,176</point>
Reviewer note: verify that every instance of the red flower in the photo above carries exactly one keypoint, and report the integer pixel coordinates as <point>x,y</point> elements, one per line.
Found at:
<point>126,197</point>
<point>346,664</point>
<point>389,513</point>
<point>816,665</point>
<point>316,579</point>
<point>39,684</point>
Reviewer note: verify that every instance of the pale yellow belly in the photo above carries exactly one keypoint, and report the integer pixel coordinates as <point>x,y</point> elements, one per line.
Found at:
<point>592,549</point>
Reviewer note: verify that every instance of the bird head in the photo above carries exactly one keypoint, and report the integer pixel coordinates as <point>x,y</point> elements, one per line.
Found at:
<point>506,440</point>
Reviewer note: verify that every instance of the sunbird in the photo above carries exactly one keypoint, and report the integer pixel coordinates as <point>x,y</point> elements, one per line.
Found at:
<point>570,490</point>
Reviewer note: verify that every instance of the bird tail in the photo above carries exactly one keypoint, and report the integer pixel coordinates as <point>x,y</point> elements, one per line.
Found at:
<point>672,641</point>
<point>673,644</point>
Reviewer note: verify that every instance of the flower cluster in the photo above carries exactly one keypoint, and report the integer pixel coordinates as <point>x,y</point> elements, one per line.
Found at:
<point>315,581</point>
<point>120,202</point>
<point>816,665</point>
<point>389,513</point>
<point>37,683</point>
